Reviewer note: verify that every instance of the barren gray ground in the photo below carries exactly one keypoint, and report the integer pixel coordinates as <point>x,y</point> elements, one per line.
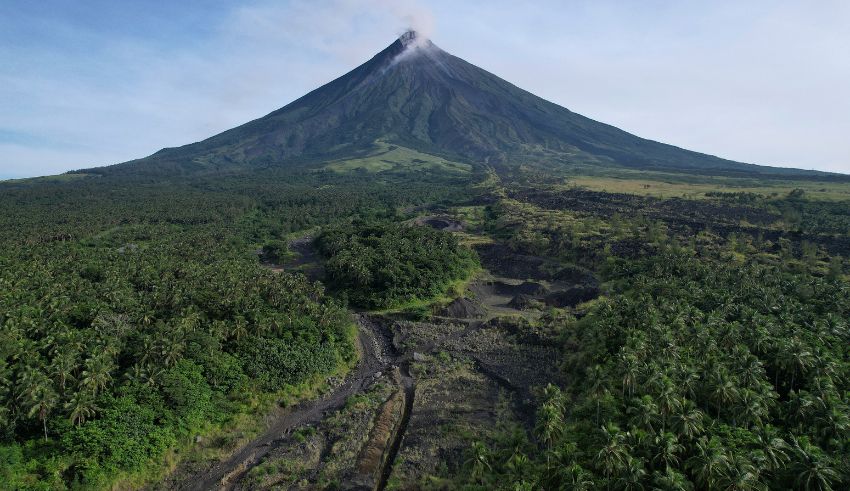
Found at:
<point>421,391</point>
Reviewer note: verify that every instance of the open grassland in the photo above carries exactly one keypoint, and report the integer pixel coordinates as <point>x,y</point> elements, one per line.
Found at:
<point>390,157</point>
<point>686,186</point>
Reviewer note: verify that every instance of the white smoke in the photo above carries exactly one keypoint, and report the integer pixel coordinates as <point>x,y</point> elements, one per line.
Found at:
<point>416,29</point>
<point>413,16</point>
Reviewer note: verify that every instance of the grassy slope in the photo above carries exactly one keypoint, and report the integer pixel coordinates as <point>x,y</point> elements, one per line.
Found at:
<point>688,186</point>
<point>390,157</point>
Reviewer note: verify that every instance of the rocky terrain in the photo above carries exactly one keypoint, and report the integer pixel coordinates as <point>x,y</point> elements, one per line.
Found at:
<point>423,389</point>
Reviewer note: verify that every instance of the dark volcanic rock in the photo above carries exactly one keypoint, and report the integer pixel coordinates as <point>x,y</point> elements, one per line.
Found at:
<point>463,308</point>
<point>501,260</point>
<point>573,296</point>
<point>531,288</point>
<point>441,223</point>
<point>522,302</point>
<point>576,275</point>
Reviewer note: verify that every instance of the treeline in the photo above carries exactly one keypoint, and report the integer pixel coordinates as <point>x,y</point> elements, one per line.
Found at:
<point>381,265</point>
<point>252,205</point>
<point>700,374</point>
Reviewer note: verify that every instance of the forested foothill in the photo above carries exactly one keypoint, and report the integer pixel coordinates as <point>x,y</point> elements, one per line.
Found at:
<point>688,342</point>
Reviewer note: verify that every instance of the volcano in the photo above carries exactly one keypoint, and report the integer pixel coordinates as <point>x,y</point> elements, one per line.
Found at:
<point>414,94</point>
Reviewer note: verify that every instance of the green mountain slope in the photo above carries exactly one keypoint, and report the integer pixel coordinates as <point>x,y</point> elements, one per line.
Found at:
<point>416,95</point>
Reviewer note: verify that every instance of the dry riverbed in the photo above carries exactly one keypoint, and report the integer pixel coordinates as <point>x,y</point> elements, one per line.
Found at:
<point>422,391</point>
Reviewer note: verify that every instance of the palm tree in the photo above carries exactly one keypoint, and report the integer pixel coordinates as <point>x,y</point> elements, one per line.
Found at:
<point>723,390</point>
<point>553,395</point>
<point>801,407</point>
<point>633,475</point>
<point>743,476</point>
<point>833,423</point>
<point>667,449</point>
<point>750,407</point>
<point>598,388</point>
<point>97,373</point>
<point>751,372</point>
<point>773,448</point>
<point>81,407</point>
<point>643,412</point>
<point>550,424</point>
<point>573,477</point>
<point>688,379</point>
<point>631,371</point>
<point>612,457</point>
<point>172,352</point>
<point>668,401</point>
<point>63,367</point>
<point>191,321</point>
<point>144,374</point>
<point>239,329</point>
<point>795,357</point>
<point>519,466</point>
<point>710,464</point>
<point>811,466</point>
<point>689,422</point>
<point>479,461</point>
<point>38,396</point>
<point>670,480</point>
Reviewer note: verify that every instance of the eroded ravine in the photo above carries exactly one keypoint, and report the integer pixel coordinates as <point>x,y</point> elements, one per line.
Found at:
<point>463,362</point>
<point>375,357</point>
<point>408,387</point>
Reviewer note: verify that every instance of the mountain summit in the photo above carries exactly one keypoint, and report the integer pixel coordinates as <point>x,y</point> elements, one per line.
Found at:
<point>416,95</point>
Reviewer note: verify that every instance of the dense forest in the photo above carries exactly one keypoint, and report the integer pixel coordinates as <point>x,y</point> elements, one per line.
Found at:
<point>714,362</point>
<point>135,315</point>
<point>383,265</point>
<point>116,349</point>
<point>140,316</point>
<point>697,375</point>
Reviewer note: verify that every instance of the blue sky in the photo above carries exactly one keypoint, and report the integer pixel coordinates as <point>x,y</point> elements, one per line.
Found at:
<point>100,82</point>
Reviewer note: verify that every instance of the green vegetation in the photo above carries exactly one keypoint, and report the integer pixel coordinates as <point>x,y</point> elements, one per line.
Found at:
<point>393,157</point>
<point>714,362</point>
<point>135,315</point>
<point>671,185</point>
<point>383,265</point>
<point>137,319</point>
<point>117,349</point>
<point>750,388</point>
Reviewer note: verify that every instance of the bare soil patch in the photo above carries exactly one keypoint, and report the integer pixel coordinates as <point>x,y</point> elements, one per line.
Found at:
<point>441,222</point>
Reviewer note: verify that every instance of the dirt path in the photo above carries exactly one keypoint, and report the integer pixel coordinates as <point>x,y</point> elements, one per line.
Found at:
<point>377,355</point>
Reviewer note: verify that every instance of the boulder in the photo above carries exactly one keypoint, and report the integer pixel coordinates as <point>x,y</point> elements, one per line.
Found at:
<point>463,308</point>
<point>522,302</point>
